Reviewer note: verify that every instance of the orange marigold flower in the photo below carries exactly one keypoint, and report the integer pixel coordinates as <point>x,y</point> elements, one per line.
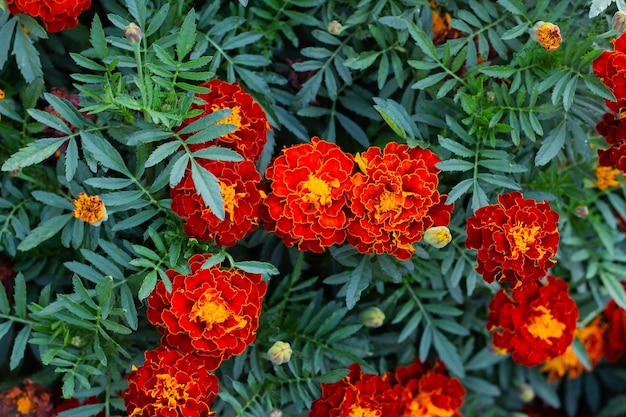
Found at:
<point>610,67</point>
<point>592,338</point>
<point>308,201</point>
<point>429,391</point>
<point>170,383</point>
<point>395,200</point>
<point>547,35</point>
<point>1,94</point>
<point>57,15</point>
<point>358,395</point>
<point>535,323</point>
<point>90,209</point>
<point>249,119</point>
<point>607,177</point>
<point>442,28</point>
<point>615,335</point>
<point>31,400</point>
<point>212,312</point>
<point>239,183</point>
<point>516,239</point>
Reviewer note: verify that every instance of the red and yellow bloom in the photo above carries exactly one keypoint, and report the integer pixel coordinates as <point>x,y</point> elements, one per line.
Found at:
<point>239,183</point>
<point>212,312</point>
<point>250,134</point>
<point>534,323</point>
<point>170,384</point>
<point>57,15</point>
<point>610,67</point>
<point>395,200</point>
<point>308,203</point>
<point>358,394</point>
<point>614,131</point>
<point>516,239</point>
<point>428,391</point>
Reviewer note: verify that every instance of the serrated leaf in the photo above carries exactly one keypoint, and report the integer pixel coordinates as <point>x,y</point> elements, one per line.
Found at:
<point>515,31</point>
<point>448,353</point>
<point>241,40</point>
<point>44,232</point>
<point>207,185</point>
<point>458,190</point>
<point>513,6</point>
<point>103,152</point>
<point>598,6</point>
<point>497,71</point>
<point>19,347</point>
<point>256,267</point>
<point>454,165</point>
<point>178,169</point>
<point>331,376</point>
<point>161,152</point>
<point>19,296</point>
<point>147,136</point>
<point>26,56</point>
<point>359,280</point>
<point>614,288</point>
<point>186,35</point>
<point>551,146</point>
<point>429,81</point>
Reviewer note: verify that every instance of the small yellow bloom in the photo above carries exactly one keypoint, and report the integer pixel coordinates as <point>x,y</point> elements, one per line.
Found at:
<point>334,27</point>
<point>90,209</point>
<point>547,35</point>
<point>438,236</point>
<point>1,94</point>
<point>280,353</point>
<point>607,177</point>
<point>372,317</point>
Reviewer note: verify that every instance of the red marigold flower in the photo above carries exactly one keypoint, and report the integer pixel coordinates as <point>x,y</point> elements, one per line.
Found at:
<point>29,400</point>
<point>614,131</point>
<point>358,394</point>
<point>592,338</point>
<point>239,184</point>
<point>615,336</point>
<point>610,67</point>
<point>516,239</point>
<point>429,391</point>
<point>535,322</point>
<point>212,312</point>
<point>170,384</point>
<point>250,133</point>
<point>308,202</point>
<point>395,199</point>
<point>57,15</point>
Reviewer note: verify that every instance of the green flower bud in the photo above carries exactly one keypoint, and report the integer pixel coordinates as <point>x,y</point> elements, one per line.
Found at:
<point>526,393</point>
<point>275,412</point>
<point>133,33</point>
<point>619,21</point>
<point>372,317</point>
<point>334,27</point>
<point>280,353</point>
<point>438,236</point>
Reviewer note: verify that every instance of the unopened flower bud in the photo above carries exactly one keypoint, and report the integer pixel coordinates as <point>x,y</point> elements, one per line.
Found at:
<point>619,21</point>
<point>334,27</point>
<point>275,412</point>
<point>526,393</point>
<point>581,211</point>
<point>438,236</point>
<point>280,353</point>
<point>133,33</point>
<point>547,35</point>
<point>76,341</point>
<point>372,317</point>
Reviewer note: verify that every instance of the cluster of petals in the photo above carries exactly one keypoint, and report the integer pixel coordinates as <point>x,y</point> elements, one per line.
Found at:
<point>250,133</point>
<point>239,183</point>
<point>516,239</point>
<point>57,15</point>
<point>417,389</point>
<point>535,322</point>
<point>394,199</point>
<point>307,204</point>
<point>615,335</point>
<point>610,67</point>
<point>212,312</point>
<point>592,338</point>
<point>170,384</point>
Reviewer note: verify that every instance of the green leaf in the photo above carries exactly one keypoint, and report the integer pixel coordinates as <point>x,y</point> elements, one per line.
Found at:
<point>551,146</point>
<point>241,40</point>
<point>426,342</point>
<point>19,347</point>
<point>421,39</point>
<point>157,19</point>
<point>52,200</point>
<point>458,190</point>
<point>161,152</point>
<point>19,297</point>
<point>109,183</point>
<point>26,56</point>
<point>178,170</point>
<point>104,289</point>
<point>410,326</point>
<point>136,219</point>
<point>44,232</point>
<point>614,287</point>
<point>49,120</point>
<point>103,152</point>
<point>448,353</point>
<point>82,411</point>
<point>207,186</point>
<point>137,9</point>
<point>497,71</point>
<point>128,304</point>
<point>5,307</point>
<point>255,267</point>
<point>359,280</point>
<point>454,165</point>
<point>514,6</point>
<point>4,328</point>
<point>598,6</point>
<point>515,31</point>
<point>97,38</point>
<point>148,284</point>
<point>186,36</point>
<point>6,35</point>
<point>146,136</point>
<point>581,353</point>
<point>429,81</point>
<point>598,87</point>
<point>396,117</point>
<point>330,376</point>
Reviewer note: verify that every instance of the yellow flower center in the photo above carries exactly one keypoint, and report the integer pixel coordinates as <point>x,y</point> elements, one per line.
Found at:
<point>358,411</point>
<point>388,201</point>
<point>560,365</point>
<point>607,177</point>
<point>422,406</point>
<point>549,36</point>
<point>318,191</point>
<point>25,405</point>
<point>233,119</point>
<point>523,237</point>
<point>89,209</point>
<point>230,198</point>
<point>212,310</point>
<point>169,389</point>
<point>545,326</point>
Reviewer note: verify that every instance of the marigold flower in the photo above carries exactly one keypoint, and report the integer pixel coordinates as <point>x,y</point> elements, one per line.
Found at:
<point>535,322</point>
<point>358,394</point>
<point>90,209</point>
<point>170,383</point>
<point>442,28</point>
<point>308,201</point>
<point>614,131</point>
<point>280,352</point>
<point>212,312</point>
<point>29,400</point>
<point>239,184</point>
<point>429,391</point>
<point>1,94</point>
<point>615,335</point>
<point>610,67</point>
<point>372,317</point>
<point>516,239</point>
<point>547,35</point>
<point>250,134</point>
<point>607,177</point>
<point>57,15</point>
<point>395,199</point>
<point>592,338</point>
